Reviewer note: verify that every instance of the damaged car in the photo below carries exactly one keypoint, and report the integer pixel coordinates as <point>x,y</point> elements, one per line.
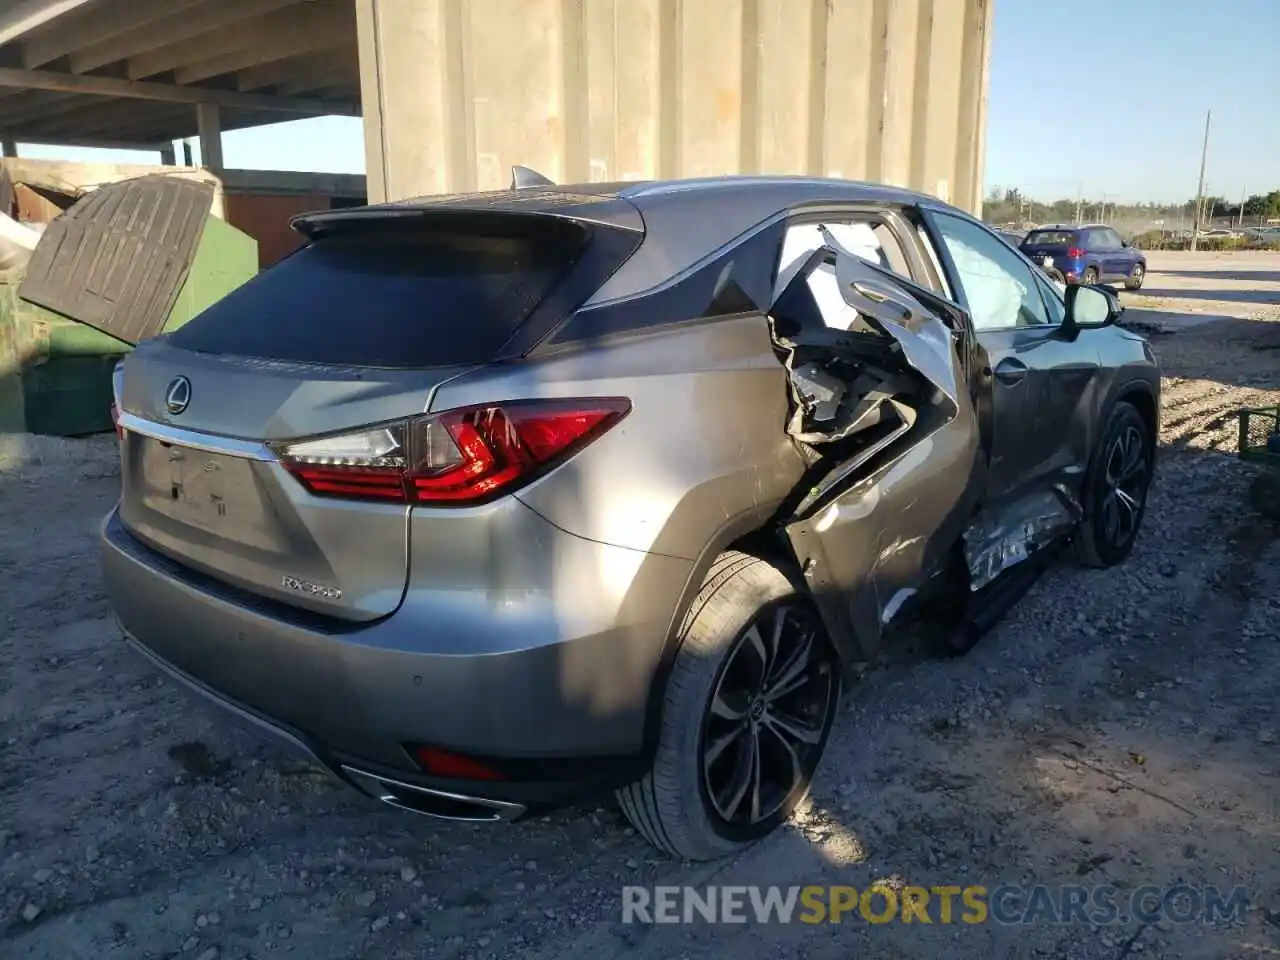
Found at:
<point>487,502</point>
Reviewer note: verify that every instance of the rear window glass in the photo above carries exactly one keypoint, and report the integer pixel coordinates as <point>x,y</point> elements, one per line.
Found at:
<point>1047,237</point>
<point>394,294</point>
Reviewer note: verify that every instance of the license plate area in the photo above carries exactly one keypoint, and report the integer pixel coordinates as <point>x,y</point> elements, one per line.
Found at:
<point>216,493</point>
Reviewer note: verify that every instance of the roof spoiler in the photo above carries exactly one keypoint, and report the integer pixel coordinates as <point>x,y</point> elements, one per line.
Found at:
<point>522,177</point>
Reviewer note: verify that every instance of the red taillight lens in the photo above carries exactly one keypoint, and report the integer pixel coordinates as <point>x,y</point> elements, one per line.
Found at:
<point>457,458</point>
<point>1075,252</point>
<point>442,763</point>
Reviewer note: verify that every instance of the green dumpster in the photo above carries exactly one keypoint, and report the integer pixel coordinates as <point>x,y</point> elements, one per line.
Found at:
<point>68,320</point>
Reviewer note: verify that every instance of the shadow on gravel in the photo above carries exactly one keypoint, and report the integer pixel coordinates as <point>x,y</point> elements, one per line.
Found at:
<point>1256,276</point>
<point>1267,297</point>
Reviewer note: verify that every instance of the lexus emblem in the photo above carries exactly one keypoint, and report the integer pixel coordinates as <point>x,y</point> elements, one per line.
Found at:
<point>178,397</point>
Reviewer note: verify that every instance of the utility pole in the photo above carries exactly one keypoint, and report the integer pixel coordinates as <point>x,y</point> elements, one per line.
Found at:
<point>1244,195</point>
<point>1204,158</point>
<point>1079,201</point>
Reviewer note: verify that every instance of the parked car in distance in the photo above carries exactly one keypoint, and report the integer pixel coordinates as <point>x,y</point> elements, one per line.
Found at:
<point>489,502</point>
<point>1089,254</point>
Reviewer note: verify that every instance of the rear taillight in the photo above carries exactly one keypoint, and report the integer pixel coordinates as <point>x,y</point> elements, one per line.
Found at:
<point>443,763</point>
<point>457,458</point>
<point>1075,252</point>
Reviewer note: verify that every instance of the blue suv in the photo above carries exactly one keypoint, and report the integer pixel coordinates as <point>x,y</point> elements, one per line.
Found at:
<point>1092,253</point>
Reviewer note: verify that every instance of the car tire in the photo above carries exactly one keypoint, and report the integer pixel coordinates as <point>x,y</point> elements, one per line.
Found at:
<point>680,805</point>
<point>1116,487</point>
<point>1090,276</point>
<point>1136,276</point>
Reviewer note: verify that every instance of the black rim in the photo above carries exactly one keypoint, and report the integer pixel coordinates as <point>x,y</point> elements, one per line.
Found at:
<point>768,717</point>
<point>1124,487</point>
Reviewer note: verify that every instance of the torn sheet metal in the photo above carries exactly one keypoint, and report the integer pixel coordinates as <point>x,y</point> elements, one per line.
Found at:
<point>994,542</point>
<point>927,343</point>
<point>901,452</point>
<point>845,370</point>
<point>869,531</point>
<point>856,239</point>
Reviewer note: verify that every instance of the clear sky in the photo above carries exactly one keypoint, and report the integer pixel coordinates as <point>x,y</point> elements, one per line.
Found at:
<point>1112,96</point>
<point>1108,98</point>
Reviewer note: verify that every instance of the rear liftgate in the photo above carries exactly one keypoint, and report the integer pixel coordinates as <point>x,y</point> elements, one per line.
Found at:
<point>883,409</point>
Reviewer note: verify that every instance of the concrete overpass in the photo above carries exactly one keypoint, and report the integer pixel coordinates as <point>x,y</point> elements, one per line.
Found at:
<point>456,91</point>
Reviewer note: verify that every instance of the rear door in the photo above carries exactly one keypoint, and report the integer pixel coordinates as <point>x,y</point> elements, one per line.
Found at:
<point>346,338</point>
<point>1106,246</point>
<point>1038,384</point>
<point>1125,257</point>
<point>888,500</point>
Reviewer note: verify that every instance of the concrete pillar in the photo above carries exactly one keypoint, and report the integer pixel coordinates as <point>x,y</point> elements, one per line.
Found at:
<point>188,157</point>
<point>168,156</point>
<point>455,92</point>
<point>10,148</point>
<point>209,123</point>
<point>401,45</point>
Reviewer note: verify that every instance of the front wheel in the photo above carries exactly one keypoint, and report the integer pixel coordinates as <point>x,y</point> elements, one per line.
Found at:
<point>1090,276</point>
<point>1136,276</point>
<point>745,717</point>
<point>1115,495</point>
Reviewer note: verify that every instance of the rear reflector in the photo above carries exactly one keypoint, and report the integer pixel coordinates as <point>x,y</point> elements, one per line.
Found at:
<point>442,763</point>
<point>460,457</point>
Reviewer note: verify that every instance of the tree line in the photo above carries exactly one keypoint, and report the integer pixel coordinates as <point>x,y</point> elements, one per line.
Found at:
<point>1010,205</point>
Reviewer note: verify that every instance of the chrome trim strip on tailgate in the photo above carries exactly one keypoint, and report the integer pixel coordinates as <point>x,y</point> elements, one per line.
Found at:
<point>194,440</point>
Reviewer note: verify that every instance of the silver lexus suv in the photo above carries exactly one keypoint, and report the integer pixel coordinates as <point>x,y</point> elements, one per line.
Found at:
<point>490,501</point>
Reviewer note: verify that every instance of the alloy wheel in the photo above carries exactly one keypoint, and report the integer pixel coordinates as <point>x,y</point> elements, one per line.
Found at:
<point>768,717</point>
<point>1125,487</point>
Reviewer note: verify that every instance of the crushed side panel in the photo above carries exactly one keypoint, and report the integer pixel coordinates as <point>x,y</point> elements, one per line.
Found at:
<point>881,405</point>
<point>993,542</point>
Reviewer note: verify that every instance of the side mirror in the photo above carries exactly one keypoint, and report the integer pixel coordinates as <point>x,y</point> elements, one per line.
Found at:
<point>1090,307</point>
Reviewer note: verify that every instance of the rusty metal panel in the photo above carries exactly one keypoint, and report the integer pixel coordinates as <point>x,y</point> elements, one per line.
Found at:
<point>39,204</point>
<point>266,219</point>
<point>457,92</point>
<point>117,259</point>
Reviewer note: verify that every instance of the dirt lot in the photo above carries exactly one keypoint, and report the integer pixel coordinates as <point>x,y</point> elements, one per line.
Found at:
<point>1119,728</point>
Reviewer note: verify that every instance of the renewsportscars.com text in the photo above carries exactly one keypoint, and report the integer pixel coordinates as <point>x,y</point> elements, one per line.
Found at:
<point>944,904</point>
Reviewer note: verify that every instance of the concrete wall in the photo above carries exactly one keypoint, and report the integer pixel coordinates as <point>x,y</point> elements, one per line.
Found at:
<point>457,91</point>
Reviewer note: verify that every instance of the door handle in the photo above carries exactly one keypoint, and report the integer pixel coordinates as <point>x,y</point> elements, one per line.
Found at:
<point>1010,371</point>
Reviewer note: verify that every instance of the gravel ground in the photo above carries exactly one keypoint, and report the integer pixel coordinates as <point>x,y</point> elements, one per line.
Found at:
<point>1118,728</point>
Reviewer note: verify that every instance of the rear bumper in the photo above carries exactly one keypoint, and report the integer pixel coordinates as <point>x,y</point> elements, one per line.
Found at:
<point>351,695</point>
<point>1071,267</point>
